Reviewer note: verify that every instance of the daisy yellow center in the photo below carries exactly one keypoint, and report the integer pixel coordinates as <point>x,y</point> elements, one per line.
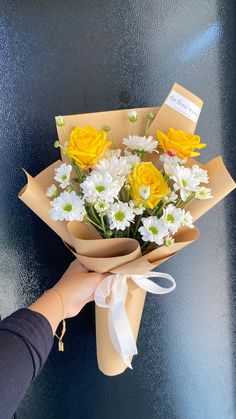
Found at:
<point>170,218</point>
<point>64,177</point>
<point>119,216</point>
<point>153,230</point>
<point>68,207</point>
<point>184,183</point>
<point>100,188</point>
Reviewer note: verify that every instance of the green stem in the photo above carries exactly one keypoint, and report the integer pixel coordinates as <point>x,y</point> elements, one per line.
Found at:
<point>189,201</point>
<point>137,224</point>
<point>113,140</point>
<point>78,172</point>
<point>93,222</point>
<point>103,225</point>
<point>133,128</point>
<point>73,187</point>
<point>147,128</point>
<point>160,208</point>
<point>94,215</point>
<point>64,134</point>
<point>178,202</point>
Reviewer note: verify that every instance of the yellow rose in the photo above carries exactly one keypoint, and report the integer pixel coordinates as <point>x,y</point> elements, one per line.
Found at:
<point>147,185</point>
<point>178,142</point>
<point>87,146</point>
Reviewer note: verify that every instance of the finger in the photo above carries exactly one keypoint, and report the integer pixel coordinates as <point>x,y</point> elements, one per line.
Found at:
<point>77,265</point>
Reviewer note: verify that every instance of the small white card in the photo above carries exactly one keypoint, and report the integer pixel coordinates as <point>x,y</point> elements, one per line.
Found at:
<point>183,105</point>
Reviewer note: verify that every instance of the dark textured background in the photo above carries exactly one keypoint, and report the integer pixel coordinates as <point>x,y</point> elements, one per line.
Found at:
<point>65,57</point>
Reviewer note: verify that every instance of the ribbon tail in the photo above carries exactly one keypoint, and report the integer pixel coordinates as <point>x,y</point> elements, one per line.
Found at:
<point>121,334</point>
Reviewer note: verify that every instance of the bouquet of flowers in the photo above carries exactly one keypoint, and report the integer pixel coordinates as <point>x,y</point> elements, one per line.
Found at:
<point>124,199</point>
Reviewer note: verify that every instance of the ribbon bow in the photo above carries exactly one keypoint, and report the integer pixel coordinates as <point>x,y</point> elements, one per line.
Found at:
<point>116,287</point>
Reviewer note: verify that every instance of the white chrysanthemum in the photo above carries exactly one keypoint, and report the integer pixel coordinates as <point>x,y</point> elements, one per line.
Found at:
<point>134,142</point>
<point>52,191</point>
<point>169,241</point>
<point>62,175</point>
<point>136,208</point>
<point>67,206</point>
<point>100,186</point>
<point>170,163</point>
<point>101,207</point>
<point>113,153</point>
<point>171,197</point>
<point>60,122</point>
<point>144,192</point>
<point>116,166</point>
<point>203,193</point>
<point>200,173</point>
<point>165,158</point>
<point>132,159</point>
<point>184,181</point>
<point>172,217</point>
<point>187,219</point>
<point>120,216</point>
<point>153,230</point>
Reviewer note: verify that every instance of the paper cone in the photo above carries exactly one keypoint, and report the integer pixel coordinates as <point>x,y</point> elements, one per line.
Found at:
<point>123,256</point>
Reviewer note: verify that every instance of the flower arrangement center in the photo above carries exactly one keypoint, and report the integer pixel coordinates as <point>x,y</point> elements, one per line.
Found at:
<point>119,216</point>
<point>68,207</point>
<point>100,188</point>
<point>153,230</point>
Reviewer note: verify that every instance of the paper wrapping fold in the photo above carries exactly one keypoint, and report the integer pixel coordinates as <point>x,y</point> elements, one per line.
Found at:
<point>122,255</point>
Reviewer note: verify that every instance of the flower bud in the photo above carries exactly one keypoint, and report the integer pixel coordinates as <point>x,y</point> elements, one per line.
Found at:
<point>60,121</point>
<point>150,116</point>
<point>56,144</point>
<point>133,116</point>
<point>127,187</point>
<point>109,233</point>
<point>107,128</point>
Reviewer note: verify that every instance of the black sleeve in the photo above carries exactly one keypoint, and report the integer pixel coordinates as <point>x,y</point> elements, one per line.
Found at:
<point>26,339</point>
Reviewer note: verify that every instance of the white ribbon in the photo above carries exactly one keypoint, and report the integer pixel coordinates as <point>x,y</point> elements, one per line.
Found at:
<point>116,287</point>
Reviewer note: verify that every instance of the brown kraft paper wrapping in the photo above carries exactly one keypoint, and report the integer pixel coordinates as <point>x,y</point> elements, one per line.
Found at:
<point>123,256</point>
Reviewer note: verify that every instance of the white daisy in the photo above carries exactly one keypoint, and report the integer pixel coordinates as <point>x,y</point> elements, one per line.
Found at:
<point>184,181</point>
<point>67,206</point>
<point>101,207</point>
<point>170,163</point>
<point>62,175</point>
<point>136,208</point>
<point>200,173</point>
<point>172,217</point>
<point>187,219</point>
<point>113,153</point>
<point>165,158</point>
<point>100,186</point>
<point>153,230</point>
<point>169,241</point>
<point>144,192</point>
<point>60,122</point>
<point>131,158</point>
<point>52,191</point>
<point>136,143</point>
<point>203,193</point>
<point>116,166</point>
<point>171,197</point>
<point>120,216</point>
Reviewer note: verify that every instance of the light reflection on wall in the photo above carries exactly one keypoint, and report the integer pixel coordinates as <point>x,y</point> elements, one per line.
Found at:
<point>200,42</point>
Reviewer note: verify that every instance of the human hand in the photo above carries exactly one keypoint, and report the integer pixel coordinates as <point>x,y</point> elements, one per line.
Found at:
<point>77,287</point>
